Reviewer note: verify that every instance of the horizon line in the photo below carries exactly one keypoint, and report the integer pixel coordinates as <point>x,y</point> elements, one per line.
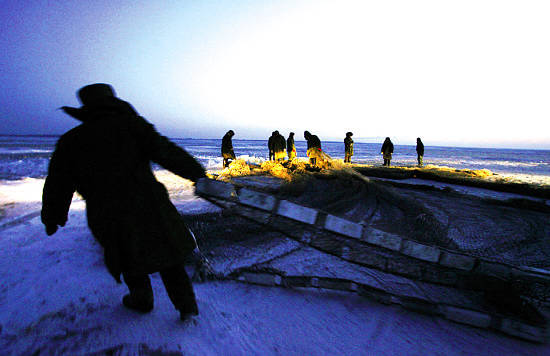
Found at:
<point>357,141</point>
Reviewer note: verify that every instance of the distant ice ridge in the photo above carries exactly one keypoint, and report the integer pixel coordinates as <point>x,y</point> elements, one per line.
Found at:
<point>487,163</point>
<point>252,159</point>
<point>24,167</point>
<point>16,150</point>
<point>216,163</point>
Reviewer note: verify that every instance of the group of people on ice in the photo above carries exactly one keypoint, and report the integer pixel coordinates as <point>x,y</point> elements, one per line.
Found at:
<point>279,148</point>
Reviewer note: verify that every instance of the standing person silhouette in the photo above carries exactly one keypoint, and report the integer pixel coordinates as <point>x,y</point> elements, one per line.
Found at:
<point>348,144</point>
<point>107,160</point>
<point>387,151</point>
<point>290,147</point>
<point>313,147</point>
<point>227,148</point>
<point>270,144</point>
<point>419,151</point>
<point>279,146</point>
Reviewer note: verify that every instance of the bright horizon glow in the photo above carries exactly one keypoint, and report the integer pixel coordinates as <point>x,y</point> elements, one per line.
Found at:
<point>469,73</point>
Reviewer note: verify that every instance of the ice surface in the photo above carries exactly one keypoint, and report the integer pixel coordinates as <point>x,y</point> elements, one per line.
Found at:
<point>57,298</point>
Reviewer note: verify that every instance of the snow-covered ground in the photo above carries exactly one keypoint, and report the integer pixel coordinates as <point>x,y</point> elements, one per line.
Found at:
<point>57,298</point>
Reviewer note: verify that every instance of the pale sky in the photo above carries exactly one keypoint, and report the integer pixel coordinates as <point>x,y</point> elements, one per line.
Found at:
<point>456,73</point>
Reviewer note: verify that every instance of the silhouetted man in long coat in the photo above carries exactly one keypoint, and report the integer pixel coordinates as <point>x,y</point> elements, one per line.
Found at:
<point>348,146</point>
<point>387,151</point>
<point>279,146</point>
<point>227,148</point>
<point>107,159</point>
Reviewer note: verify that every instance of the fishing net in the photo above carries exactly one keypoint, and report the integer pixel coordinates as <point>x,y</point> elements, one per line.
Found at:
<point>345,193</point>
<point>236,168</point>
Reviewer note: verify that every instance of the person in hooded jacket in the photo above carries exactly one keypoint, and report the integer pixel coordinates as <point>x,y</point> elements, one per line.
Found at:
<point>419,151</point>
<point>313,147</point>
<point>348,143</point>
<point>387,151</point>
<point>227,148</point>
<point>107,160</point>
<point>290,147</point>
<point>279,146</point>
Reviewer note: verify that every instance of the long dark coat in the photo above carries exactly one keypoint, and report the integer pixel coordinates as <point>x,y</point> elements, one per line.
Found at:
<point>290,144</point>
<point>313,141</point>
<point>387,147</point>
<point>107,160</point>
<point>227,146</point>
<point>419,147</point>
<point>279,143</point>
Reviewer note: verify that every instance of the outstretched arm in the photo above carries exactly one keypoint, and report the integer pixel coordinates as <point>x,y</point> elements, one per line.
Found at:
<point>164,152</point>
<point>58,191</point>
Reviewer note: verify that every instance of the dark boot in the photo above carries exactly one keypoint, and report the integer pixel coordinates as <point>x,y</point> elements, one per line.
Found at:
<point>180,290</point>
<point>139,304</point>
<point>189,311</point>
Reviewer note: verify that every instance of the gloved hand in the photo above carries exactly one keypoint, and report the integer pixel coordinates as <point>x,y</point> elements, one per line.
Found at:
<point>51,229</point>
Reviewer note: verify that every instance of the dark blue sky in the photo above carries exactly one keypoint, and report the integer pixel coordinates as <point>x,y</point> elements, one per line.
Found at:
<point>470,73</point>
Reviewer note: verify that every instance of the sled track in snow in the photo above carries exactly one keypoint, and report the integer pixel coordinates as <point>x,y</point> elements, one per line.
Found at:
<point>19,220</point>
<point>372,248</point>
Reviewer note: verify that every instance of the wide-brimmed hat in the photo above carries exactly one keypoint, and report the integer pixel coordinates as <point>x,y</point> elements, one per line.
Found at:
<point>94,93</point>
